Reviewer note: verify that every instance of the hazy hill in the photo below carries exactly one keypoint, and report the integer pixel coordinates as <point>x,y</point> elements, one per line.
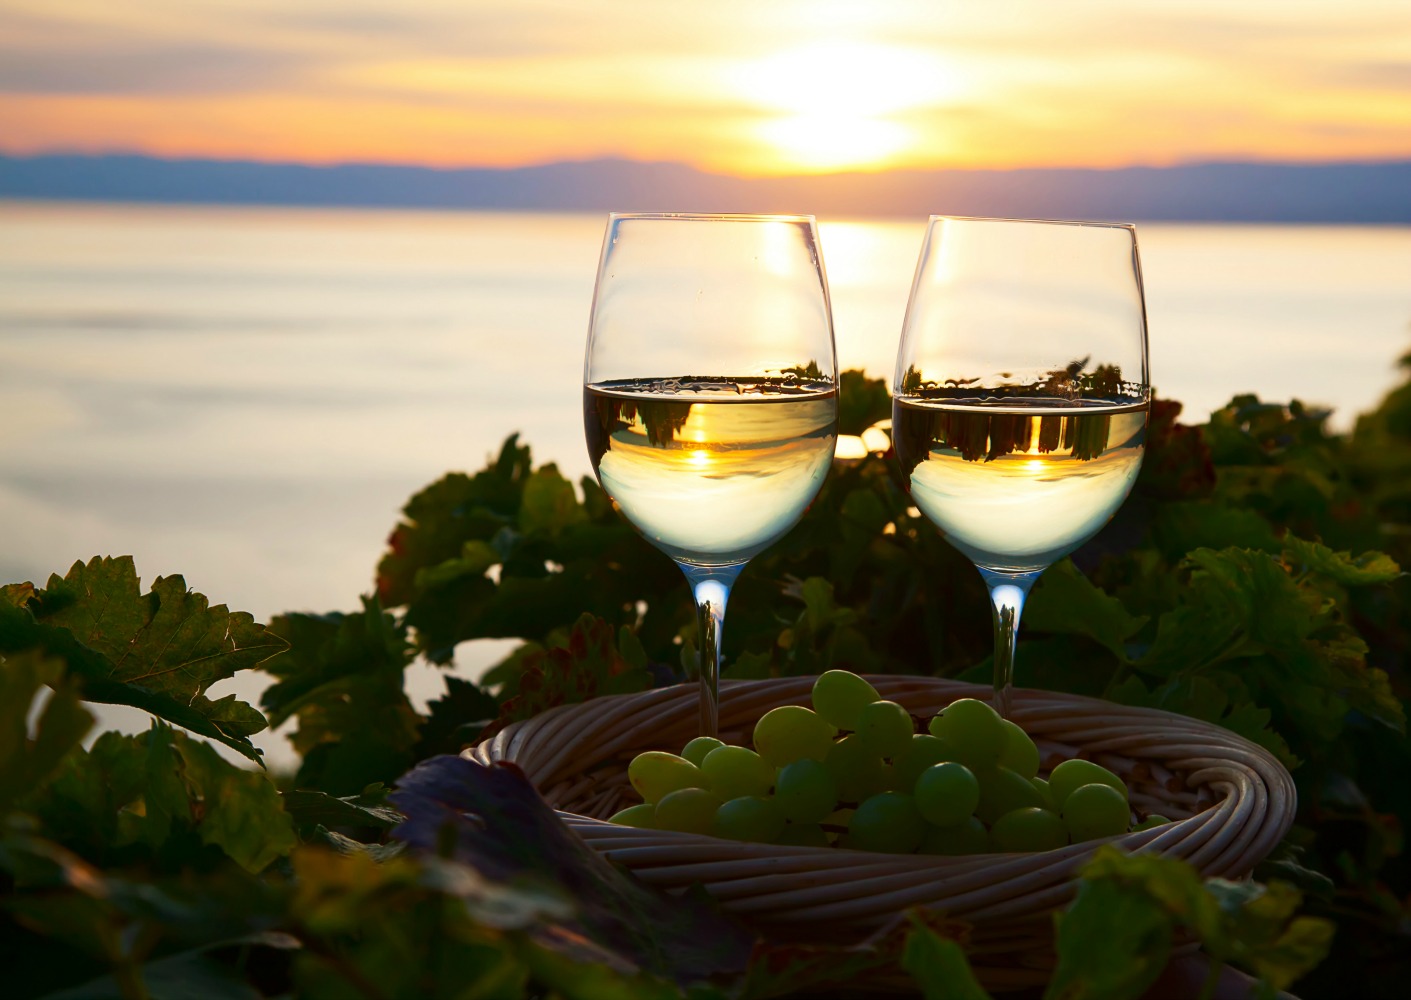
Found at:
<point>1232,192</point>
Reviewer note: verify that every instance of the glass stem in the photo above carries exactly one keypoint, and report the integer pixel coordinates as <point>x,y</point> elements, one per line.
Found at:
<point>1007,593</point>
<point>711,587</point>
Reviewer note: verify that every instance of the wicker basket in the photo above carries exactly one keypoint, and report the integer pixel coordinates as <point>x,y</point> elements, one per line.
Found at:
<point>1231,799</point>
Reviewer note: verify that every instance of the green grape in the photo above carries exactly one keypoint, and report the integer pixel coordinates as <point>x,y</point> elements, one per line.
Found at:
<point>839,696</point>
<point>1151,822</point>
<point>973,730</point>
<point>689,810</point>
<point>887,822</point>
<point>969,837</point>
<point>1029,829</point>
<point>947,794</point>
<point>792,732</point>
<point>803,835</point>
<point>748,817</point>
<point>731,772</point>
<point>924,751</point>
<point>1072,774</point>
<point>1094,811</point>
<point>885,728</point>
<point>642,816</point>
<point>657,773</point>
<point>1047,793</point>
<point>805,791</point>
<point>1019,754</point>
<point>858,772</point>
<point>696,750</point>
<point>1003,791</point>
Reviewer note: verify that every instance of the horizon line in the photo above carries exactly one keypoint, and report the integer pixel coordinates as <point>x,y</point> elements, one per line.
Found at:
<point>584,161</point>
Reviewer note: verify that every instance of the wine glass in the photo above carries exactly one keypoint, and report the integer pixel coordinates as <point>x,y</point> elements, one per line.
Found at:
<point>1021,394</point>
<point>710,393</point>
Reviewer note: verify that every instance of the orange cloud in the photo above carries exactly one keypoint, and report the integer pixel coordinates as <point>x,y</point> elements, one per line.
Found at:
<point>733,86</point>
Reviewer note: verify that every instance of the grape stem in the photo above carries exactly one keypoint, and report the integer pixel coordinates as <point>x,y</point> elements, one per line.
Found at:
<point>1007,594</point>
<point>711,587</point>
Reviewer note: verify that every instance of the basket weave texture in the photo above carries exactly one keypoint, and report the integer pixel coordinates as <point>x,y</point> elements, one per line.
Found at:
<point>1231,800</point>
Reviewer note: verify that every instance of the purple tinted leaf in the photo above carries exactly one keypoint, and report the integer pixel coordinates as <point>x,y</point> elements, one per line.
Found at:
<point>492,820</point>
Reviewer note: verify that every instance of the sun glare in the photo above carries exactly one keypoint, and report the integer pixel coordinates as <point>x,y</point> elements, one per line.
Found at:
<point>831,103</point>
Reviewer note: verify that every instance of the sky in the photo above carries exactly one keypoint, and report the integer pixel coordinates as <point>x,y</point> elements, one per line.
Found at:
<point>747,87</point>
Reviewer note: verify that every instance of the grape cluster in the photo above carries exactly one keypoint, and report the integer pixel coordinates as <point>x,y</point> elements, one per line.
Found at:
<point>854,772</point>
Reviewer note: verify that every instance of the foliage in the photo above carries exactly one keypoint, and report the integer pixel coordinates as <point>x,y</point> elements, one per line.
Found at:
<point>158,651</point>
<point>1251,580</point>
<point>1116,937</point>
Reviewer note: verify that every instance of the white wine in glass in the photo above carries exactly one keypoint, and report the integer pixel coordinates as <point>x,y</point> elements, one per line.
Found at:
<point>1021,395</point>
<point>710,393</point>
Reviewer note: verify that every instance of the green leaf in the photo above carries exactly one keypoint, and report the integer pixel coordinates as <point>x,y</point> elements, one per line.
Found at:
<point>1168,881</point>
<point>1266,934</point>
<point>1113,942</point>
<point>197,974</point>
<point>475,558</point>
<point>1181,527</point>
<point>26,764</point>
<point>158,652</point>
<point>456,719</point>
<point>241,810</point>
<point>1178,462</point>
<point>749,666</point>
<point>154,790</point>
<point>1202,696</point>
<point>862,401</point>
<point>588,665</point>
<point>343,679</point>
<point>1115,938</point>
<point>631,648</point>
<point>1065,601</point>
<point>940,967</point>
<point>819,607</point>
<point>1341,567</point>
<point>308,807</point>
<point>439,520</point>
<point>549,503</point>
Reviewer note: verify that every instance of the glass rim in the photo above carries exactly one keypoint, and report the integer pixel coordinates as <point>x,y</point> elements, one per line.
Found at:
<point>710,217</point>
<point>1080,223</point>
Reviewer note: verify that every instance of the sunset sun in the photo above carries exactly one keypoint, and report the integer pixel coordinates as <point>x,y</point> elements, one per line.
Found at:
<point>836,105</point>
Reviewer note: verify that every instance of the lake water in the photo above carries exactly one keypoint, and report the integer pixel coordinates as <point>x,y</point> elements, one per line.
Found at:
<point>247,396</point>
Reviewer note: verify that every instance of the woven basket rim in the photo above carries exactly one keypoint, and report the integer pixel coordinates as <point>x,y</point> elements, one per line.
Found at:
<point>1237,801</point>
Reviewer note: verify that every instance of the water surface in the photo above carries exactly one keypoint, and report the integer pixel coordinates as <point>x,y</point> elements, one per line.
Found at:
<point>247,396</point>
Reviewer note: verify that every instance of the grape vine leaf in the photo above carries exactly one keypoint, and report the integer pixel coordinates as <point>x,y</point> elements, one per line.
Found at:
<point>492,820</point>
<point>1216,696</point>
<point>1178,463</point>
<point>1244,615</point>
<point>587,665</point>
<point>862,401</point>
<point>457,718</point>
<point>308,807</point>
<point>25,763</point>
<point>156,790</point>
<point>158,651</point>
<point>1115,938</point>
<point>343,678</point>
<point>549,503</point>
<point>1340,567</point>
<point>1065,601</point>
<point>940,968</point>
<point>440,519</point>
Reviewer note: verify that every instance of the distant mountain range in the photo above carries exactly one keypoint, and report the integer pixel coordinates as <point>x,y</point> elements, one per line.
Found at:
<point>1224,192</point>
